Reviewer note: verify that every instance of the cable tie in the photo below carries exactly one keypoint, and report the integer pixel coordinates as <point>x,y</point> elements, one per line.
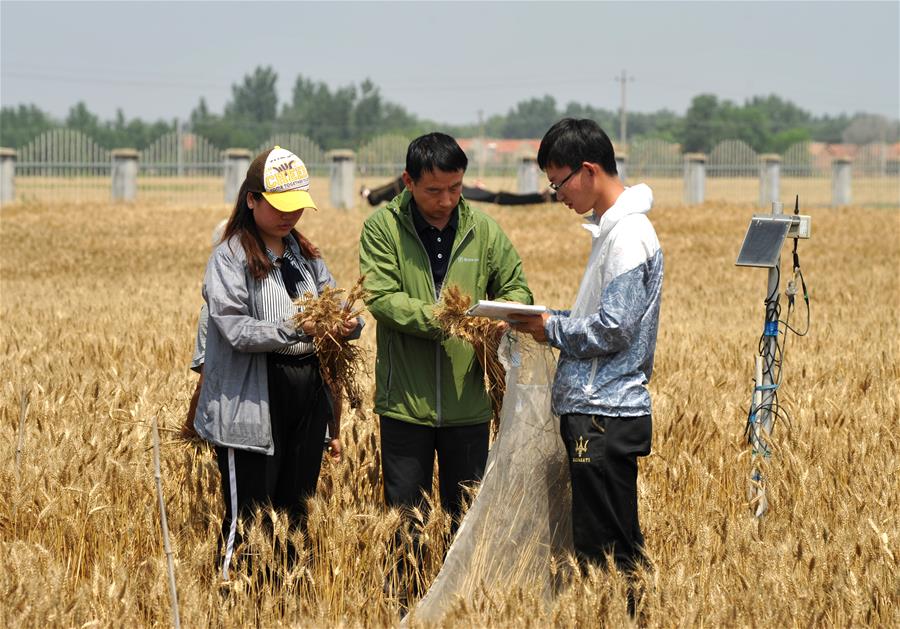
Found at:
<point>771,328</point>
<point>765,387</point>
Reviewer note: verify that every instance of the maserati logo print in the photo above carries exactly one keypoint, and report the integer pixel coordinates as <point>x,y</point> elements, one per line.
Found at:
<point>581,446</point>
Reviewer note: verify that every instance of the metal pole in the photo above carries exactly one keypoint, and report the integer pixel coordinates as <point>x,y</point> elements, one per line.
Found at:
<point>761,430</point>
<point>756,492</point>
<point>623,123</point>
<point>772,300</point>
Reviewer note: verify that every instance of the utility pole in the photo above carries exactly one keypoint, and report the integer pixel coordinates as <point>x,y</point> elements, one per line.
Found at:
<point>482,149</point>
<point>623,116</point>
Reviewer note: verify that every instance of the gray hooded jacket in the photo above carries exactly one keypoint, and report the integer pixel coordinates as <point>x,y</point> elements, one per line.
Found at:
<point>233,410</point>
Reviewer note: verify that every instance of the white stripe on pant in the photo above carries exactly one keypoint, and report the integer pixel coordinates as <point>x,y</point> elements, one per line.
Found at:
<point>299,410</point>
<point>232,532</point>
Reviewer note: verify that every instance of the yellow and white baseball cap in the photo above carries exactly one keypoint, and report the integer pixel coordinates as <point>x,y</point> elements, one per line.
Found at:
<point>286,181</point>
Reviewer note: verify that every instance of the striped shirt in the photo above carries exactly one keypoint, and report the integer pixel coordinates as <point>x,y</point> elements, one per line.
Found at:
<point>275,304</point>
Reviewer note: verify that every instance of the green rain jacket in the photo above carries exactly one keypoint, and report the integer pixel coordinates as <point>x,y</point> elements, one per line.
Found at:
<point>421,376</point>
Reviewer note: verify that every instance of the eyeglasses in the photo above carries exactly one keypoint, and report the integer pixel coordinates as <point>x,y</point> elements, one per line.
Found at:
<point>556,186</point>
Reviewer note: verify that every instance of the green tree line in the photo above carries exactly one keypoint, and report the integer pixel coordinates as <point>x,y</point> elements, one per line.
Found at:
<point>348,116</point>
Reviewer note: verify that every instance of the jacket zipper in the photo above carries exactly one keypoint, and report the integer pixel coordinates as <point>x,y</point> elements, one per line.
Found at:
<point>589,386</point>
<point>390,353</point>
<point>437,346</point>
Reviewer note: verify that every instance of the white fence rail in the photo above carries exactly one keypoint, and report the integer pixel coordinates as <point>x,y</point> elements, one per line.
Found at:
<point>307,149</point>
<point>64,165</point>
<point>183,167</point>
<point>383,157</point>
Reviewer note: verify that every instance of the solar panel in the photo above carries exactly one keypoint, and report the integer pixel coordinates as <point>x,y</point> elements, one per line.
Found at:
<point>763,241</point>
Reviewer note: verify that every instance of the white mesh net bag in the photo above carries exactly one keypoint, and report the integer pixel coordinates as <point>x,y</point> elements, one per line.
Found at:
<point>520,522</point>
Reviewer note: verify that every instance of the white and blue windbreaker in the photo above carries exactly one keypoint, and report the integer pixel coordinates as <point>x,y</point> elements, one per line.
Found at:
<point>608,339</point>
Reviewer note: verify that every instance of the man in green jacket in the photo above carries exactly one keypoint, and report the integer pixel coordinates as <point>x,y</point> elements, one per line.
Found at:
<point>429,388</point>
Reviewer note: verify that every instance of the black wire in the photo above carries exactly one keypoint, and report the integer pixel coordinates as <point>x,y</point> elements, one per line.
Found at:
<point>779,415</point>
<point>773,362</point>
<point>775,290</point>
<point>806,300</point>
<point>790,310</point>
<point>773,353</point>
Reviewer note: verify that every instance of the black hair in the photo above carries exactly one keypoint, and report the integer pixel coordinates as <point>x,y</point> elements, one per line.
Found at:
<point>434,151</point>
<point>572,142</point>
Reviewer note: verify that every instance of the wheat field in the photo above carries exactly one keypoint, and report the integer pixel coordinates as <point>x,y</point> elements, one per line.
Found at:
<point>99,304</point>
<point>867,191</point>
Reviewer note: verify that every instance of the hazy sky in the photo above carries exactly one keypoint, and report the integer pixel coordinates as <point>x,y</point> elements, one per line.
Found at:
<point>446,61</point>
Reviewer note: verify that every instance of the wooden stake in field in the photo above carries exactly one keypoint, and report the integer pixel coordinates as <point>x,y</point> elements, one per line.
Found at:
<point>20,443</point>
<point>176,617</point>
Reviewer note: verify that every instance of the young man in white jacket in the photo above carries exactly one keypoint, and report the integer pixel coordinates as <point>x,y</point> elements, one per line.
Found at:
<point>606,343</point>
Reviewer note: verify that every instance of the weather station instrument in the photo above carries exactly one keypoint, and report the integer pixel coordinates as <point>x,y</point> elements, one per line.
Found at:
<point>762,248</point>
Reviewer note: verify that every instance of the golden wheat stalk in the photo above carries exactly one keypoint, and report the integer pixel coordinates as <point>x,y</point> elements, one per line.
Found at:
<point>84,469</point>
<point>483,333</point>
<point>340,362</point>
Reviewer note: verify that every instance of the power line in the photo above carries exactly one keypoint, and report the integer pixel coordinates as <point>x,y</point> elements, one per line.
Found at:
<point>31,76</point>
<point>401,86</point>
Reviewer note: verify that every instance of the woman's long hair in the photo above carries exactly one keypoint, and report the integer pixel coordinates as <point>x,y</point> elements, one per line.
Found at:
<point>241,223</point>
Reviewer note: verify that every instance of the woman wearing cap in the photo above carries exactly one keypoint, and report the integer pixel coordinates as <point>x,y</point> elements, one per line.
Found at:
<point>263,404</point>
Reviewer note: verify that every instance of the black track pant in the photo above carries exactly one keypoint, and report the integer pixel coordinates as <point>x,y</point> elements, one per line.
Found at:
<point>407,464</point>
<point>407,461</point>
<point>603,455</point>
<point>299,410</point>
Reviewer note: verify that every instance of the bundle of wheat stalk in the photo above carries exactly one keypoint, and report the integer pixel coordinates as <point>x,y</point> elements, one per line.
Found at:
<point>340,361</point>
<point>484,334</point>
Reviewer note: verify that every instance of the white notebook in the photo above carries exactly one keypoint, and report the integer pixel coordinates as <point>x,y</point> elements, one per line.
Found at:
<point>502,309</point>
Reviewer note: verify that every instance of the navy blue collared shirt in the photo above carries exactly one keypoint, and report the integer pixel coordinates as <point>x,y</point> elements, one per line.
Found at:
<point>438,242</point>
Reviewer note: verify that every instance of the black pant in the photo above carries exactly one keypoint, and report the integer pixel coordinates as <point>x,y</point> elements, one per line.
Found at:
<point>407,464</point>
<point>299,409</point>
<point>407,461</point>
<point>603,455</point>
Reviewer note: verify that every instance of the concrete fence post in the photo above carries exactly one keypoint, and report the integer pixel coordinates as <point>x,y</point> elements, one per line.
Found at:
<point>343,178</point>
<point>694,178</point>
<point>841,178</point>
<point>622,166</point>
<point>7,175</point>
<point>237,161</point>
<point>124,174</point>
<point>769,179</point>
<point>528,178</point>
